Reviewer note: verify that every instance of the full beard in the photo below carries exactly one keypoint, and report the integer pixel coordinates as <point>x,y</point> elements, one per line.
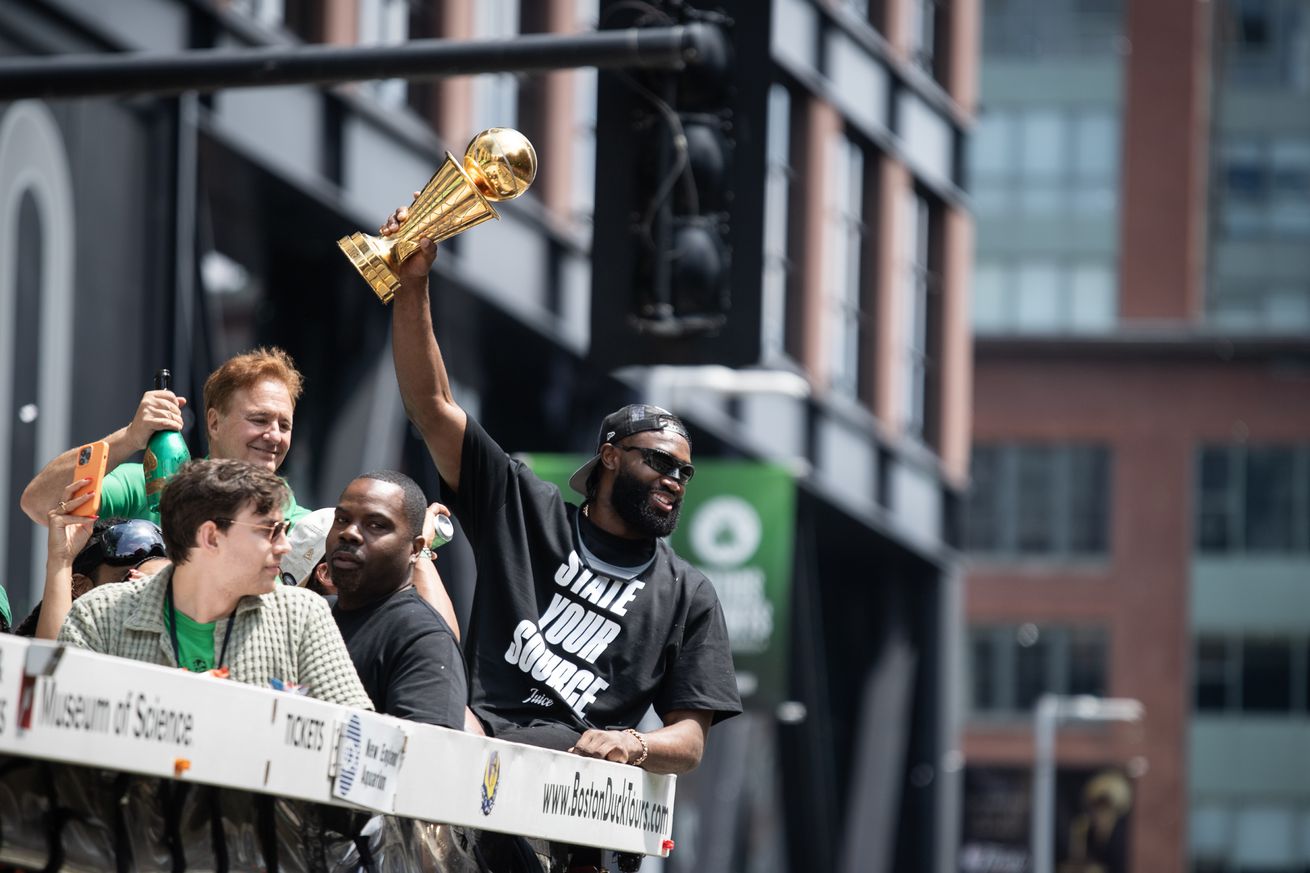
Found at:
<point>632,502</point>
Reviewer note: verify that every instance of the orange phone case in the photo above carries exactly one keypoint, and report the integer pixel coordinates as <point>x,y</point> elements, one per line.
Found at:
<point>91,460</point>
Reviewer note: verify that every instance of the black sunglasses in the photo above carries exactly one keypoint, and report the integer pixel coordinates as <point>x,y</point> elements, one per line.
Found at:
<point>664,463</point>
<point>131,542</point>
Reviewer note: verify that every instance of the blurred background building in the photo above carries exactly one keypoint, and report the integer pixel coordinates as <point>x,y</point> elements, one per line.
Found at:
<point>139,231</point>
<point>1139,524</point>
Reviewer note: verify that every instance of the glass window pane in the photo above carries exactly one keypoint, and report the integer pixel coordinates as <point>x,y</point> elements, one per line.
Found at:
<point>1096,139</point>
<point>1264,838</point>
<point>1042,198</point>
<point>1266,675</point>
<point>991,148</point>
<point>1290,159</point>
<point>1289,215</point>
<point>1211,692</point>
<point>1094,199</point>
<point>1244,170</point>
<point>1038,295</point>
<point>1087,661</point>
<point>1269,510</point>
<point>992,198</point>
<point>1090,501</point>
<point>1287,308</point>
<point>1214,527</point>
<point>982,669</point>
<point>1030,669</point>
<point>1044,150</point>
<point>983,522</point>
<point>990,309</point>
<point>1036,509</point>
<point>1209,833</point>
<point>1091,297</point>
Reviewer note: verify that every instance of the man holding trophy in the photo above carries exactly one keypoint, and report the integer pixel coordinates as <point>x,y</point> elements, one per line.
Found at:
<point>583,618</point>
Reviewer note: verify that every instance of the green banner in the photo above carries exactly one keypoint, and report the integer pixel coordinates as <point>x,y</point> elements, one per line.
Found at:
<point>737,526</point>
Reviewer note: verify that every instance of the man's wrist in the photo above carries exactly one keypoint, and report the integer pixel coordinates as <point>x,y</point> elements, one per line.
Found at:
<point>121,441</point>
<point>645,748</point>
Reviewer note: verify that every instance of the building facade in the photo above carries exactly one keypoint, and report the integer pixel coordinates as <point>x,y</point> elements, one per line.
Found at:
<point>1136,527</point>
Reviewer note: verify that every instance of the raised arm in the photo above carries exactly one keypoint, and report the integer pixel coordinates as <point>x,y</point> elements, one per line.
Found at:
<point>420,370</point>
<point>68,534</point>
<point>158,410</point>
<point>427,581</point>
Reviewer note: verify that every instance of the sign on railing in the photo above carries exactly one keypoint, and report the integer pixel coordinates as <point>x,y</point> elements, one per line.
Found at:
<point>68,705</point>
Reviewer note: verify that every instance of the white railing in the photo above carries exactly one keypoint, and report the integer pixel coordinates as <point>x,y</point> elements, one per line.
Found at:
<point>67,705</point>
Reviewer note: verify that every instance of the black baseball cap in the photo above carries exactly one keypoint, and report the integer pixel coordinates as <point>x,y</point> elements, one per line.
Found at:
<point>633,418</point>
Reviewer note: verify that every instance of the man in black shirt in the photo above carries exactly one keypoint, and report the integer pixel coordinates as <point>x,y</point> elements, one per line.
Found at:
<point>406,656</point>
<point>582,619</point>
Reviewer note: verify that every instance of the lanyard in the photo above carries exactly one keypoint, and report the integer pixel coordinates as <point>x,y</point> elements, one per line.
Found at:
<point>172,630</point>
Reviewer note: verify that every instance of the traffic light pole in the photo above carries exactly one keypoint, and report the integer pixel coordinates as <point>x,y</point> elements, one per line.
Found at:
<point>650,48</point>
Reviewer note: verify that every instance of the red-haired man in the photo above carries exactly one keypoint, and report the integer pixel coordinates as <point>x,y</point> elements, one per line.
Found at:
<point>250,402</point>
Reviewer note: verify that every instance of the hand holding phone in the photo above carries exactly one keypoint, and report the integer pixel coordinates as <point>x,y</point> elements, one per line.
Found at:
<point>91,461</point>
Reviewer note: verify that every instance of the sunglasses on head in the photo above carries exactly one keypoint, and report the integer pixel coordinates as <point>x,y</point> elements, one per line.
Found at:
<point>664,463</point>
<point>128,543</point>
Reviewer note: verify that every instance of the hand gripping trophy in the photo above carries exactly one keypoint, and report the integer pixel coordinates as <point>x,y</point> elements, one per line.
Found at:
<point>499,164</point>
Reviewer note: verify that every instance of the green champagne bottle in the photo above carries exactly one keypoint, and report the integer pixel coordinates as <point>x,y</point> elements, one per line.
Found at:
<point>165,452</point>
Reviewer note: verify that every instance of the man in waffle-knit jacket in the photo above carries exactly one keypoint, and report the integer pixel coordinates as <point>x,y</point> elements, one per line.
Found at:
<point>220,605</point>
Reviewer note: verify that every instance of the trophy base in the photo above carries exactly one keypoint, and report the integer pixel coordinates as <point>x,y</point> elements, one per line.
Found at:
<point>370,259</point>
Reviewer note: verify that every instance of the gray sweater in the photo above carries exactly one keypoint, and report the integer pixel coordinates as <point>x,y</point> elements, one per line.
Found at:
<point>286,634</point>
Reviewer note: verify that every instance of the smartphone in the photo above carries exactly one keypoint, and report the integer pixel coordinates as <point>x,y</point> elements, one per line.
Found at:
<point>91,460</point>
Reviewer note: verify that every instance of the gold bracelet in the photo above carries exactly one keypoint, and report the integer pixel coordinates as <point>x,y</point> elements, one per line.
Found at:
<point>645,749</point>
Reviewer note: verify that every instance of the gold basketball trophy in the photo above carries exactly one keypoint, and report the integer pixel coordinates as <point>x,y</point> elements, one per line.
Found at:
<point>499,164</point>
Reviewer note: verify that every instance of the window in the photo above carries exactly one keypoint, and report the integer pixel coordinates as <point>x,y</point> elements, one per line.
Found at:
<point>1253,499</point>
<point>1011,666</point>
<point>1262,186</point>
<point>1262,44</point>
<point>1029,500</point>
<point>1046,160</point>
<point>385,22</point>
<point>1253,673</point>
<point>1266,675</point>
<point>779,176</point>
<point>584,123</point>
<point>1250,834</point>
<point>1043,176</point>
<point>1271,306</point>
<point>1044,294</point>
<point>424,95</point>
<point>495,95</point>
<point>921,31</point>
<point>848,335</point>
<point>1216,689</point>
<point>1034,29</point>
<point>919,306</point>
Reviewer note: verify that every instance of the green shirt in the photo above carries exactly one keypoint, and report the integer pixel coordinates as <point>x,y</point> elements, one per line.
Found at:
<point>4,606</point>
<point>124,496</point>
<point>195,642</point>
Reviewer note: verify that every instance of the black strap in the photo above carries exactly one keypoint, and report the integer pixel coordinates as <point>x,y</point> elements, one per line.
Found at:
<point>266,829</point>
<point>123,857</point>
<point>172,797</point>
<point>217,837</point>
<point>172,630</point>
<point>55,819</point>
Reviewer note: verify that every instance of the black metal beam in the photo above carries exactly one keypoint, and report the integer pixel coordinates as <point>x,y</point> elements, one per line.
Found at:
<point>658,48</point>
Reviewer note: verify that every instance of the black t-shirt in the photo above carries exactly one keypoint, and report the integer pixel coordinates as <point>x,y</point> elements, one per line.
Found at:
<point>407,658</point>
<point>558,640</point>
